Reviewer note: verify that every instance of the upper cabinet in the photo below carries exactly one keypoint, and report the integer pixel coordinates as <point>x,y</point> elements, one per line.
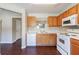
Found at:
<point>78,13</point>
<point>78,8</point>
<point>59,20</point>
<point>52,21</point>
<point>72,11</point>
<point>65,14</point>
<point>31,21</point>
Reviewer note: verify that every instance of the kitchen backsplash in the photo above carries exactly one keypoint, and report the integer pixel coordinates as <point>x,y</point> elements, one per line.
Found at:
<point>62,30</point>
<point>47,30</point>
<point>74,29</point>
<point>56,30</point>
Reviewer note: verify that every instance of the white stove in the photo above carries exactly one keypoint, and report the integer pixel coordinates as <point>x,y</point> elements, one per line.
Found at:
<point>63,44</point>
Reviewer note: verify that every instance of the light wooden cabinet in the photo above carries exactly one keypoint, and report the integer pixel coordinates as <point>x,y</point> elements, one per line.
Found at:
<point>52,21</point>
<point>60,17</point>
<point>31,21</point>
<point>65,14</point>
<point>46,39</point>
<point>78,12</point>
<point>74,46</point>
<point>72,10</point>
<point>69,12</point>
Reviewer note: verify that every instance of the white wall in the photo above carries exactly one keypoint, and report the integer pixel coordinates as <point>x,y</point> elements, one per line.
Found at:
<point>22,11</point>
<point>12,7</point>
<point>24,29</point>
<point>7,25</point>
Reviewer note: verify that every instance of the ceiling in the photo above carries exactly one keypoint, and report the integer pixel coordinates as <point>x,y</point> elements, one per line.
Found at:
<point>44,8</point>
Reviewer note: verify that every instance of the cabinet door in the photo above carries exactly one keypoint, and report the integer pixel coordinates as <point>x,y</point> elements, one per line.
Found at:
<point>31,21</point>
<point>41,39</point>
<point>78,19</point>
<point>46,39</point>
<point>52,21</point>
<point>74,46</point>
<point>78,12</point>
<point>52,39</point>
<point>65,14</point>
<point>60,20</point>
<point>72,10</point>
<point>74,49</point>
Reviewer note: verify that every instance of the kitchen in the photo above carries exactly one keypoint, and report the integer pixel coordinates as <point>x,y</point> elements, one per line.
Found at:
<point>60,31</point>
<point>45,26</point>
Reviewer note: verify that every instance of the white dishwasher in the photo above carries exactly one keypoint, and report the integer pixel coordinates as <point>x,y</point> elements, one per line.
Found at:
<point>31,39</point>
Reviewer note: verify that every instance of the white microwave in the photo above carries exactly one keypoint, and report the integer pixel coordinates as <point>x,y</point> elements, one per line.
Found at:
<point>70,21</point>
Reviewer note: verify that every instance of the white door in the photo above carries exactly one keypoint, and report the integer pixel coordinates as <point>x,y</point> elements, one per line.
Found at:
<point>16,28</point>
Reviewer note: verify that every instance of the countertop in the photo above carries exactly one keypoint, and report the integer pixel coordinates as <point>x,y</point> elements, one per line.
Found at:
<point>75,37</point>
<point>71,35</point>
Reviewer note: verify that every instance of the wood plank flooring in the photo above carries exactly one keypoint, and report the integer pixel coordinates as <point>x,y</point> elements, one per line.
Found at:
<point>15,49</point>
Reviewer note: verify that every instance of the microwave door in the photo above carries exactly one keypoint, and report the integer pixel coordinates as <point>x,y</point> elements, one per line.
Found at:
<point>67,22</point>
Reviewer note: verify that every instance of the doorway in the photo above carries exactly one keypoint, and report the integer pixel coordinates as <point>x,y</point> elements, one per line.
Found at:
<point>0,34</point>
<point>0,30</point>
<point>16,30</point>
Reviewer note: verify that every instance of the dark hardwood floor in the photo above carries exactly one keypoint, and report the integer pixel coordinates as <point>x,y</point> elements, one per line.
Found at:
<point>40,50</point>
<point>11,49</point>
<point>15,49</point>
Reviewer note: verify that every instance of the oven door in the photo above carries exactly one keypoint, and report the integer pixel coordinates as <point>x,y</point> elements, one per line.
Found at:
<point>62,43</point>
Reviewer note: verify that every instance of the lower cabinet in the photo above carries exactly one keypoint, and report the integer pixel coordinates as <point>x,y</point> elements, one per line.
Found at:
<point>74,46</point>
<point>75,49</point>
<point>46,39</point>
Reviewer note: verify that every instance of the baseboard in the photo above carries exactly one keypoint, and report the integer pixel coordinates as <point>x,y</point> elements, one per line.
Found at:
<point>16,40</point>
<point>9,42</point>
